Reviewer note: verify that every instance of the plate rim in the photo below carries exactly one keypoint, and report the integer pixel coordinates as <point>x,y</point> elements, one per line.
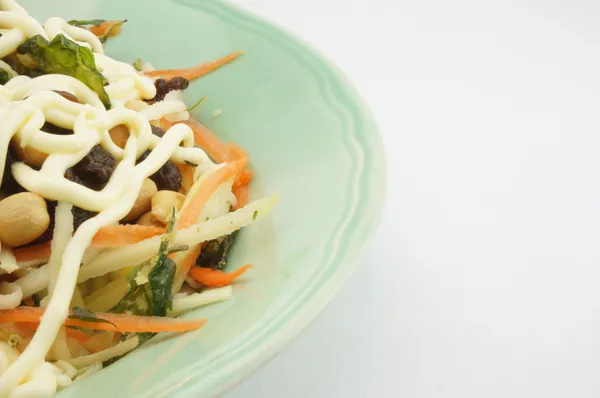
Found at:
<point>375,173</point>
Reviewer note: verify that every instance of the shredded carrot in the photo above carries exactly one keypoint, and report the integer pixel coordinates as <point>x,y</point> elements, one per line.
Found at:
<point>121,235</point>
<point>165,124</point>
<point>209,142</point>
<point>192,210</point>
<point>189,260</point>
<point>243,179</point>
<point>215,278</point>
<point>75,334</point>
<point>195,71</point>
<point>107,29</point>
<point>187,177</point>
<point>109,236</point>
<point>242,195</point>
<point>237,151</point>
<point>107,321</point>
<point>32,252</point>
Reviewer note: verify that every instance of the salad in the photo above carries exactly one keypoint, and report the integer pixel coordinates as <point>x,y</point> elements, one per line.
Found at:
<point>117,208</point>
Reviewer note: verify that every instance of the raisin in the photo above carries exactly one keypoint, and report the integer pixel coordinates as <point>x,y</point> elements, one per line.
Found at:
<point>53,129</point>
<point>10,186</point>
<point>95,168</point>
<point>214,252</point>
<point>79,217</point>
<point>167,178</point>
<point>163,87</point>
<point>157,131</point>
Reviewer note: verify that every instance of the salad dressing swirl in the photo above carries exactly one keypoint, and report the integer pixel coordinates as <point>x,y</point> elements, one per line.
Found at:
<point>25,105</point>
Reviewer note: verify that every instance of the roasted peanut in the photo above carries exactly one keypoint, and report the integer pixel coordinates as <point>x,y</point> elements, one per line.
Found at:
<point>29,155</point>
<point>149,220</point>
<point>23,218</point>
<point>119,134</point>
<point>163,203</point>
<point>143,203</point>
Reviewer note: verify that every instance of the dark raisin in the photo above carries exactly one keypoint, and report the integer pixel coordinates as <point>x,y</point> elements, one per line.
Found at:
<point>53,129</point>
<point>10,186</point>
<point>80,216</point>
<point>157,131</point>
<point>167,178</point>
<point>214,252</point>
<point>163,87</point>
<point>95,168</point>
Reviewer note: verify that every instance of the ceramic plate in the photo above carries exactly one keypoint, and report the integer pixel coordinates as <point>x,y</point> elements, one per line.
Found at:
<point>310,138</point>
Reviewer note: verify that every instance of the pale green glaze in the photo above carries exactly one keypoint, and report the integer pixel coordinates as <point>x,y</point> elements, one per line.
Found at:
<point>310,138</point>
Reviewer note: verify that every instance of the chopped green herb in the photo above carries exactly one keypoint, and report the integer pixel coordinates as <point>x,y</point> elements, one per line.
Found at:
<point>36,300</point>
<point>179,249</point>
<point>137,64</point>
<point>4,76</point>
<point>196,104</point>
<point>190,163</point>
<point>155,296</point>
<point>255,214</point>
<point>113,28</point>
<point>63,56</point>
<point>86,22</point>
<point>85,315</point>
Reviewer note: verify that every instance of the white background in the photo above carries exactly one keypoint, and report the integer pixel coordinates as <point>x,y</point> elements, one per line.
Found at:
<point>483,280</point>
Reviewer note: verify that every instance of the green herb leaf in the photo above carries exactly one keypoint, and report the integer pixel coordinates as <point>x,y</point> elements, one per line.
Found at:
<point>255,214</point>
<point>86,22</point>
<point>4,76</point>
<point>113,28</point>
<point>191,108</point>
<point>137,64</point>
<point>85,315</point>
<point>36,300</point>
<point>65,57</point>
<point>158,289</point>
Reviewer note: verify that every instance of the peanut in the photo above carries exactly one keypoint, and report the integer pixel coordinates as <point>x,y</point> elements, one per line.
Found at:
<point>29,155</point>
<point>23,218</point>
<point>119,134</point>
<point>143,203</point>
<point>150,220</point>
<point>163,203</point>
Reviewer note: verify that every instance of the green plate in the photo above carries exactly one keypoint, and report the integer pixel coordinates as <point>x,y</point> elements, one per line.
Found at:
<point>310,138</point>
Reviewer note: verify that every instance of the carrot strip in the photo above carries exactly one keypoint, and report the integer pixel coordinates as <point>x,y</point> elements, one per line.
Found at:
<point>215,278</point>
<point>107,29</point>
<point>209,142</point>
<point>237,151</point>
<point>243,179</point>
<point>109,236</point>
<point>165,124</point>
<point>32,252</point>
<point>242,195</point>
<point>192,210</point>
<point>114,322</point>
<point>187,177</point>
<point>189,260</point>
<point>195,71</point>
<point>76,334</point>
<point>121,235</point>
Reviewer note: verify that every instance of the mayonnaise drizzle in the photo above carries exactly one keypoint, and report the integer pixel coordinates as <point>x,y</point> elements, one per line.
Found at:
<point>25,105</point>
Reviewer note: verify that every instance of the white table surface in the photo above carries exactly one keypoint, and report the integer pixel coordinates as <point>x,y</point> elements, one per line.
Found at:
<point>483,280</point>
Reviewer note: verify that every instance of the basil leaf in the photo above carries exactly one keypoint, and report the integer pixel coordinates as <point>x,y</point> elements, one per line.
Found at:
<point>65,57</point>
